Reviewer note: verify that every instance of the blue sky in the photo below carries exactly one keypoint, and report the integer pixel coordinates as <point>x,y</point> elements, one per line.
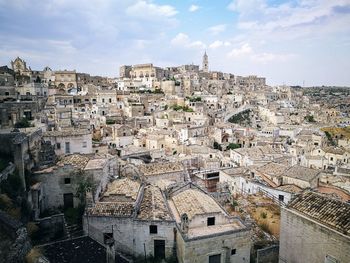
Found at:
<point>285,41</point>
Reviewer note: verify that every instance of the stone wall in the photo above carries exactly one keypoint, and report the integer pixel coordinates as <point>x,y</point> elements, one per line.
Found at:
<point>21,243</point>
<point>304,240</point>
<point>198,251</point>
<point>131,236</point>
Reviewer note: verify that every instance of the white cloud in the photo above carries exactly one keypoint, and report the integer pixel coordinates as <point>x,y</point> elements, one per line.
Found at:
<point>147,9</point>
<point>257,15</point>
<point>268,57</point>
<point>183,40</point>
<point>193,8</point>
<point>217,29</point>
<point>219,43</point>
<point>245,49</point>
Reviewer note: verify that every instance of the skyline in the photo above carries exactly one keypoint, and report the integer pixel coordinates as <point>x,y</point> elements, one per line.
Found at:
<point>288,42</point>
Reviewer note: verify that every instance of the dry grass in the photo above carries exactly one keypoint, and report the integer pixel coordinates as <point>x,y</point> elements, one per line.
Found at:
<point>33,255</point>
<point>32,228</point>
<point>270,223</point>
<point>338,131</point>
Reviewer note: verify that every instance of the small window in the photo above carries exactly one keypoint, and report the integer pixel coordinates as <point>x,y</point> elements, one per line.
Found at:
<point>107,237</point>
<point>215,258</point>
<point>210,221</point>
<point>153,229</point>
<point>84,144</point>
<point>66,180</point>
<point>58,146</point>
<point>233,251</point>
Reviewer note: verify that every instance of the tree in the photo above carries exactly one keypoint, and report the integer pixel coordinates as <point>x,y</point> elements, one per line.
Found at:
<point>22,123</point>
<point>85,185</point>
<point>217,146</point>
<point>232,146</point>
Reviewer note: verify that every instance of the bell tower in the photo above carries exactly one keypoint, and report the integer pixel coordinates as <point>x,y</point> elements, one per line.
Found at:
<point>205,66</point>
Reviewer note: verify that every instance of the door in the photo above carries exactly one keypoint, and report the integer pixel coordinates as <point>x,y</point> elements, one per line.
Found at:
<point>67,200</point>
<point>159,249</point>
<point>215,258</point>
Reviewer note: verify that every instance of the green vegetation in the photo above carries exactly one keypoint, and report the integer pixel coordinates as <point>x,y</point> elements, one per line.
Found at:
<point>23,123</point>
<point>330,138</point>
<point>194,99</point>
<point>242,118</point>
<point>217,146</point>
<point>309,118</point>
<point>109,121</point>
<point>263,215</point>
<point>183,108</point>
<point>74,216</point>
<point>232,146</point>
<point>337,132</point>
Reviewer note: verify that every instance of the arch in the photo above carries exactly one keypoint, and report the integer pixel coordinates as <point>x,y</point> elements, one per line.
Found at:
<point>61,86</point>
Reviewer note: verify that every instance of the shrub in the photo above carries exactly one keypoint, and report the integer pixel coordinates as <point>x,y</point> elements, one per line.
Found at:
<point>32,229</point>
<point>33,255</point>
<point>5,202</point>
<point>263,215</point>
<point>23,123</point>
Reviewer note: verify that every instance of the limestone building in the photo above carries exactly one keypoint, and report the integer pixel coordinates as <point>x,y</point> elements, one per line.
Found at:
<point>205,65</point>
<point>315,228</point>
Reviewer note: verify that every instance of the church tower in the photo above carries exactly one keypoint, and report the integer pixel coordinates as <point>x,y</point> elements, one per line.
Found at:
<point>205,66</point>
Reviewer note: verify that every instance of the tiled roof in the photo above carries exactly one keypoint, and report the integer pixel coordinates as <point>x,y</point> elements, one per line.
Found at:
<point>153,205</point>
<point>76,160</point>
<point>328,211</point>
<point>194,202</point>
<point>159,168</point>
<point>119,209</point>
<point>272,169</point>
<point>302,173</point>
<point>121,187</point>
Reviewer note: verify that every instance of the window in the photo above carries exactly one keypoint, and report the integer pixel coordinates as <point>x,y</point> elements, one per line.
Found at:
<point>215,258</point>
<point>58,146</point>
<point>281,198</point>
<point>233,251</point>
<point>210,221</point>
<point>153,229</point>
<point>107,237</point>
<point>67,147</point>
<point>110,100</point>
<point>66,180</point>
<point>331,158</point>
<point>84,144</point>
<point>103,100</point>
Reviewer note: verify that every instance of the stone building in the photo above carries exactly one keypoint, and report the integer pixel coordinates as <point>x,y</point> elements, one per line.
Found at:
<point>205,64</point>
<point>205,232</point>
<point>134,217</point>
<point>70,141</point>
<point>66,80</point>
<point>315,228</point>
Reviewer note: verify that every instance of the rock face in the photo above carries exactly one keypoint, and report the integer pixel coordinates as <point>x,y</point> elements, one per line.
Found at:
<point>20,248</point>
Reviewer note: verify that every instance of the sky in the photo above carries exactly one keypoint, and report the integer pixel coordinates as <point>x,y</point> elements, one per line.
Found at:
<point>297,42</point>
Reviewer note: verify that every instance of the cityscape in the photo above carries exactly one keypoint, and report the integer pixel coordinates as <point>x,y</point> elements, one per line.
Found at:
<point>160,132</point>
